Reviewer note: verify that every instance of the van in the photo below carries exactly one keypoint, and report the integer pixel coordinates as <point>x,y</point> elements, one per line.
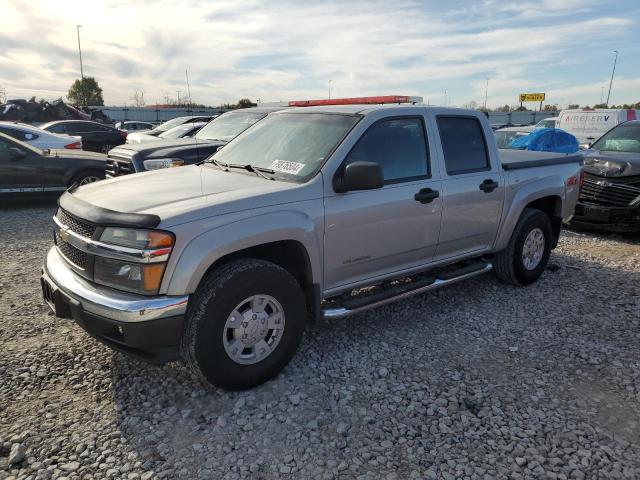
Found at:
<point>587,125</point>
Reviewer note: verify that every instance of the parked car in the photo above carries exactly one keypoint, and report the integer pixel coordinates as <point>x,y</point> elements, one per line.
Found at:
<point>185,130</point>
<point>610,197</point>
<point>223,262</point>
<point>29,171</point>
<point>168,125</point>
<point>134,126</point>
<point>96,137</point>
<point>39,138</point>
<point>539,139</point>
<point>587,125</point>
<point>546,123</point>
<point>134,158</point>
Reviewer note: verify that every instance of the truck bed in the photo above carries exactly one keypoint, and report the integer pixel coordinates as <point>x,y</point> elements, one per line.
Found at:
<point>516,159</point>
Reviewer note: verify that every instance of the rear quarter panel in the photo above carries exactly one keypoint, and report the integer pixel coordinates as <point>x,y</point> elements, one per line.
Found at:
<point>524,186</point>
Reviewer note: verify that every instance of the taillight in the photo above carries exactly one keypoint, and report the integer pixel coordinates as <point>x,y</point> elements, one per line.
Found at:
<point>74,146</point>
<point>122,133</point>
<point>573,180</point>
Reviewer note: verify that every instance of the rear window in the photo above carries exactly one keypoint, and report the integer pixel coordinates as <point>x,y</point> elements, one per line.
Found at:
<point>463,145</point>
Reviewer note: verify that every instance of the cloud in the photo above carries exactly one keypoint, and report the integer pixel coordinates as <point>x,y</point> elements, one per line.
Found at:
<point>290,49</point>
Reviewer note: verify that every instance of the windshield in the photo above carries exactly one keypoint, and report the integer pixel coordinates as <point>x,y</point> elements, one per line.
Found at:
<point>228,126</point>
<point>174,122</point>
<point>623,138</point>
<point>504,138</point>
<point>293,145</point>
<point>179,131</point>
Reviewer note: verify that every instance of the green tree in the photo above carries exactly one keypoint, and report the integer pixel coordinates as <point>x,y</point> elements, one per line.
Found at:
<point>504,108</point>
<point>85,92</point>
<point>550,108</point>
<point>573,106</point>
<point>245,103</point>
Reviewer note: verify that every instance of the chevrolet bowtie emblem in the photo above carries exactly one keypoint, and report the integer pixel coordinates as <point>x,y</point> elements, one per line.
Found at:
<point>64,234</point>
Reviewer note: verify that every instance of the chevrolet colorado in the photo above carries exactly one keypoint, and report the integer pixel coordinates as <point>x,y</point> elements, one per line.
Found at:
<point>315,212</point>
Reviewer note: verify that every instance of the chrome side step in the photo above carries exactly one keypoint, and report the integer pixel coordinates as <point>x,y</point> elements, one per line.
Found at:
<point>376,301</point>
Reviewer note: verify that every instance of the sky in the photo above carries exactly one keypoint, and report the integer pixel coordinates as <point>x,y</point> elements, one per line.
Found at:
<point>292,50</point>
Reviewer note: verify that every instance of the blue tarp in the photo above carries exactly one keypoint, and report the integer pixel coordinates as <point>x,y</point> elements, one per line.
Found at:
<point>547,140</point>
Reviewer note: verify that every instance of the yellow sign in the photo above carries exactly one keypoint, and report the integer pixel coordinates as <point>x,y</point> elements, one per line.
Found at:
<point>532,97</point>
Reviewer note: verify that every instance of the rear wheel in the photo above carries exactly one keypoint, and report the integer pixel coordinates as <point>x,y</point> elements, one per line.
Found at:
<point>527,254</point>
<point>243,324</point>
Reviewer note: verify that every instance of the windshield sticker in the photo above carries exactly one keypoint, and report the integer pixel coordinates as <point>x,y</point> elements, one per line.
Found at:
<point>285,166</point>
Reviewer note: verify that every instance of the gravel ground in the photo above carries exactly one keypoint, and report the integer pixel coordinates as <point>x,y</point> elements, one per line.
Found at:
<point>477,381</point>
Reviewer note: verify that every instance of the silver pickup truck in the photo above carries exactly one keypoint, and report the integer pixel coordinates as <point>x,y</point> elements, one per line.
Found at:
<point>317,212</point>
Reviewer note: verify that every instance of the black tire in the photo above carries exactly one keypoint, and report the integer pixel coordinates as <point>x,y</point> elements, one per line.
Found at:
<point>217,296</point>
<point>87,176</point>
<point>509,265</point>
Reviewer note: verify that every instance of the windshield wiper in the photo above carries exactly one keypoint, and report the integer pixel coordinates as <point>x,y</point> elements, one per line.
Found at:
<point>218,163</point>
<point>260,171</point>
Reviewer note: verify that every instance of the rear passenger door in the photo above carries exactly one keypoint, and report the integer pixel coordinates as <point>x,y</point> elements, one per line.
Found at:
<point>472,188</point>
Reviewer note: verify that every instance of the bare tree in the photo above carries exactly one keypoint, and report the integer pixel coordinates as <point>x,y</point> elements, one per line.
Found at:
<point>3,95</point>
<point>138,98</point>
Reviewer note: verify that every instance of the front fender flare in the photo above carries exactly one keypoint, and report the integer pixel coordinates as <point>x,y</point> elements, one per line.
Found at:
<point>204,250</point>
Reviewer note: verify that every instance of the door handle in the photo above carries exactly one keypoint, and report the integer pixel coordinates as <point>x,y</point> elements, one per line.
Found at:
<point>426,195</point>
<point>488,185</point>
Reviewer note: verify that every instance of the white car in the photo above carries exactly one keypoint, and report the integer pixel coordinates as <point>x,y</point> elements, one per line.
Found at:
<point>134,125</point>
<point>36,137</point>
<point>181,131</point>
<point>549,122</point>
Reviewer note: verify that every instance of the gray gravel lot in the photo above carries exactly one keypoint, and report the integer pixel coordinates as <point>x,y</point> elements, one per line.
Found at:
<point>477,381</point>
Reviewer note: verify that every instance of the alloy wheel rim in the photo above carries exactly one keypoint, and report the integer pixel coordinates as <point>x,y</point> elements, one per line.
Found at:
<point>533,249</point>
<point>253,329</point>
<point>89,179</point>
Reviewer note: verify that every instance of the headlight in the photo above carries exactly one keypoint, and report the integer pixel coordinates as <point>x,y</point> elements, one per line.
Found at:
<point>159,163</point>
<point>604,168</point>
<point>140,263</point>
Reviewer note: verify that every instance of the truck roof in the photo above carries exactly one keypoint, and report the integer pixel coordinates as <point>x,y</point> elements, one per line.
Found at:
<point>365,108</point>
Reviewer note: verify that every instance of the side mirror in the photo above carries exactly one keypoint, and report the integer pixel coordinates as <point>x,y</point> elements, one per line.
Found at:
<point>16,154</point>
<point>359,176</point>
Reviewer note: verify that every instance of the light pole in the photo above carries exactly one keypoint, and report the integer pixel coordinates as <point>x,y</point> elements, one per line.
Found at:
<point>612,74</point>
<point>330,89</point>
<point>486,93</point>
<point>84,98</point>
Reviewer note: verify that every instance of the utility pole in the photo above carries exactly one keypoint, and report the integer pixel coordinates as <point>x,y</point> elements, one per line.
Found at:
<point>601,93</point>
<point>84,97</point>
<point>186,73</point>
<point>330,89</point>
<point>612,74</point>
<point>486,93</point>
<point>178,96</point>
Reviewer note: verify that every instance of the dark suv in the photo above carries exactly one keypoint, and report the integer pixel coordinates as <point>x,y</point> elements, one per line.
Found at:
<point>96,137</point>
<point>134,158</point>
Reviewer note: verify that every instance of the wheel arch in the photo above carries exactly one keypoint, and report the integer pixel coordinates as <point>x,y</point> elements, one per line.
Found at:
<point>548,201</point>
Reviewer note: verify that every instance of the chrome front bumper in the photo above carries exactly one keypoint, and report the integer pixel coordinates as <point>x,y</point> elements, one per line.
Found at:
<point>107,302</point>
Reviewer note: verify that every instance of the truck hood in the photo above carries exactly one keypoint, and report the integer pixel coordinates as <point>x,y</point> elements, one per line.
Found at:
<point>77,154</point>
<point>165,148</point>
<point>611,163</point>
<point>187,193</point>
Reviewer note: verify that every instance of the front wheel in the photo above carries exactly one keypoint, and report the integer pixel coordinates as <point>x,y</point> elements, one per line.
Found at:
<point>244,324</point>
<point>527,254</point>
<point>87,177</point>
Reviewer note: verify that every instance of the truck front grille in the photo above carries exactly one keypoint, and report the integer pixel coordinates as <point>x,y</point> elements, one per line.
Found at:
<point>76,257</point>
<point>76,225</point>
<point>117,166</point>
<point>610,191</point>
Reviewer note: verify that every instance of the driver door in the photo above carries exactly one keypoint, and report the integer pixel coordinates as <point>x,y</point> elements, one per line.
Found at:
<point>374,233</point>
<point>20,168</point>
